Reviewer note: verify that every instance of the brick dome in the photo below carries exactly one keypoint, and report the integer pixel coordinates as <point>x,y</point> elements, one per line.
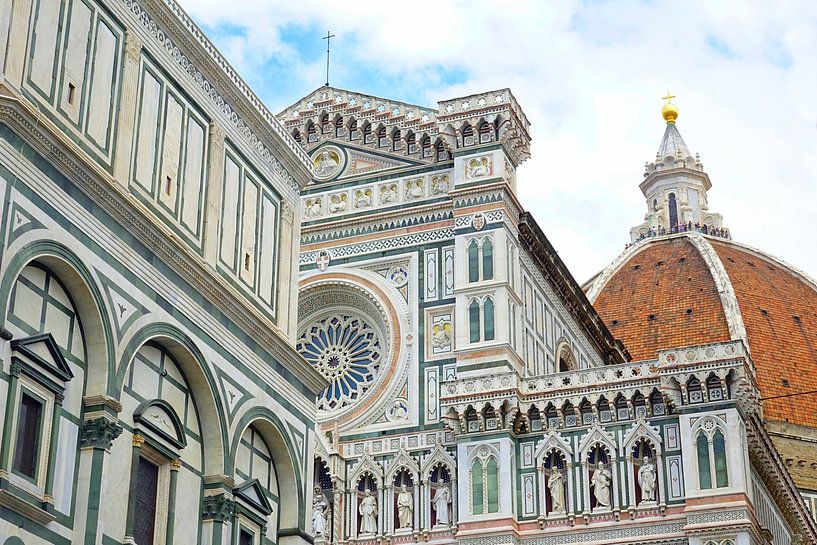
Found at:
<point>688,289</point>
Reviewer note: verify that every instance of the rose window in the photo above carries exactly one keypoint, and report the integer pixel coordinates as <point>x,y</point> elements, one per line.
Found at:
<point>347,351</point>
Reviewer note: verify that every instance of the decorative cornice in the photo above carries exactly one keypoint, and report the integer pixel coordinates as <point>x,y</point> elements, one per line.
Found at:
<point>128,212</point>
<point>553,268</point>
<point>100,433</point>
<point>241,105</point>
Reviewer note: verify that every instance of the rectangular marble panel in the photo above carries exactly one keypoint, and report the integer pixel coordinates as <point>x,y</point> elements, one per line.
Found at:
<point>44,44</point>
<point>266,277</point>
<point>675,477</point>
<point>148,123</point>
<point>432,395</point>
<point>103,85</point>
<point>64,466</point>
<point>672,439</point>
<point>529,494</point>
<point>193,175</point>
<point>432,291</point>
<point>249,215</point>
<point>171,148</point>
<point>527,452</point>
<point>229,210</point>
<point>76,60</point>
<point>448,267</point>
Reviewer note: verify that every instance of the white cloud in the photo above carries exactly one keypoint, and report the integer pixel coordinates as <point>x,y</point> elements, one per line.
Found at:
<point>589,76</point>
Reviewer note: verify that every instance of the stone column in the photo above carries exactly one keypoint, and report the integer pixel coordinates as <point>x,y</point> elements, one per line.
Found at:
<point>128,104</point>
<point>175,465</point>
<point>454,503</point>
<point>389,525</point>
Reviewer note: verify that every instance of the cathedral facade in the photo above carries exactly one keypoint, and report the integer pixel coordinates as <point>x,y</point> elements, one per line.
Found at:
<point>150,388</point>
<point>475,394</point>
<point>339,325</point>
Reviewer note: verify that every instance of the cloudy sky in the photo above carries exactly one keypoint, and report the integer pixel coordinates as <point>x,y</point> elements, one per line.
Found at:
<point>590,76</point>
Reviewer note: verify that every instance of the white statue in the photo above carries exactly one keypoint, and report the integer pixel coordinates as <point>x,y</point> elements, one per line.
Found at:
<point>368,513</point>
<point>556,485</point>
<point>319,508</point>
<point>478,168</point>
<point>337,203</point>
<point>313,207</point>
<point>325,164</point>
<point>405,507</point>
<point>647,479</point>
<point>600,482</point>
<point>440,504</point>
<point>388,193</point>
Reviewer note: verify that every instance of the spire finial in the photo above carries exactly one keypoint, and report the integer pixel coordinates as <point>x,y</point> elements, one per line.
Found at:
<point>670,110</point>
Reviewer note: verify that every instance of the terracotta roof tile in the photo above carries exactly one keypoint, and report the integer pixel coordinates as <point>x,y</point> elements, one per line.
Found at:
<point>664,296</point>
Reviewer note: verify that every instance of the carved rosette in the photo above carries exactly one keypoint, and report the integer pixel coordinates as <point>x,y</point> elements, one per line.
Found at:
<point>99,433</point>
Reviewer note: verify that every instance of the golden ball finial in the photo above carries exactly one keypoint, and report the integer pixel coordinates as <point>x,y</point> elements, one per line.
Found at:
<point>670,110</point>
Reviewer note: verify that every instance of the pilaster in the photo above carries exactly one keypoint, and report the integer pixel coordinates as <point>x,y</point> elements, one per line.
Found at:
<point>127,109</point>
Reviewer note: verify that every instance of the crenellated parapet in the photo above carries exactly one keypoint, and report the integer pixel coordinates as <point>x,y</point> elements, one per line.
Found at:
<point>486,118</point>
<point>678,379</point>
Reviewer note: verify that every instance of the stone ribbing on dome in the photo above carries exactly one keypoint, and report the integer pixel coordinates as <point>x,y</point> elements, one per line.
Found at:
<point>664,279</point>
<point>779,310</point>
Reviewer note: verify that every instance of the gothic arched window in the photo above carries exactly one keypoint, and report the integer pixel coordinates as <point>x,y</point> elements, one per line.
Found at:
<point>487,259</point>
<point>473,261</point>
<point>484,485</point>
<point>719,448</point>
<point>711,450</point>
<point>473,321</point>
<point>477,502</point>
<point>488,311</point>
<point>673,211</point>
<point>704,473</point>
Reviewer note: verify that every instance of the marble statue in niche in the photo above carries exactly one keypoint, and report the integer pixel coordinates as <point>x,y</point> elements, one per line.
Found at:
<point>647,479</point>
<point>601,482</point>
<point>368,513</point>
<point>440,502</point>
<point>556,485</point>
<point>319,508</point>
<point>405,507</point>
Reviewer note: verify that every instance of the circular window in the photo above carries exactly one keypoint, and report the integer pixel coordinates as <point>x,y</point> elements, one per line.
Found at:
<point>345,335</point>
<point>347,351</point>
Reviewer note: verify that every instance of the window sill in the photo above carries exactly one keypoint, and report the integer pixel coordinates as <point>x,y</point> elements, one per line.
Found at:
<point>27,509</point>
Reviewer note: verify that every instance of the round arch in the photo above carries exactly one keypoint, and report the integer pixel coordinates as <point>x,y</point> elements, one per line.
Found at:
<point>202,384</point>
<point>291,514</point>
<point>83,289</point>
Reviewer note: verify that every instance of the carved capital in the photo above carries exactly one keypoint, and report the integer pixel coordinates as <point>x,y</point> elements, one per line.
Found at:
<point>99,433</point>
<point>15,369</point>
<point>175,465</point>
<point>217,134</point>
<point>138,440</point>
<point>218,508</point>
<point>133,47</point>
<point>288,213</point>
